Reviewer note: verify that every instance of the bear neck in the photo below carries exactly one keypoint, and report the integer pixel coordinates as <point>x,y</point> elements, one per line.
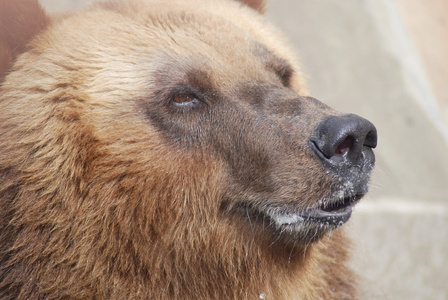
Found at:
<point>230,266</point>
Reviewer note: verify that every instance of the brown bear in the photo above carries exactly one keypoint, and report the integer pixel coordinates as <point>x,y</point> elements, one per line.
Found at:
<point>169,150</point>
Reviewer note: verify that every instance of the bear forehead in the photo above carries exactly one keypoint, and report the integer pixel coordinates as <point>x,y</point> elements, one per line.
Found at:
<point>137,39</point>
<point>172,26</point>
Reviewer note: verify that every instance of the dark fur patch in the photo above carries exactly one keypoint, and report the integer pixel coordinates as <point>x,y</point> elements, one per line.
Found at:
<point>280,66</point>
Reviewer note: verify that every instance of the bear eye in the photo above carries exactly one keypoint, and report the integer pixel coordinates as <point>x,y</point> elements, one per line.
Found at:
<point>182,99</point>
<point>185,100</point>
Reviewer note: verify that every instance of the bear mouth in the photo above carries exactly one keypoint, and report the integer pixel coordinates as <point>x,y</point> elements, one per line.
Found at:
<point>331,214</point>
<point>306,225</point>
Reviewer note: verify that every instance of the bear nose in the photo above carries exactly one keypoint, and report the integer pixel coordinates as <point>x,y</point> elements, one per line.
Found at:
<point>344,139</point>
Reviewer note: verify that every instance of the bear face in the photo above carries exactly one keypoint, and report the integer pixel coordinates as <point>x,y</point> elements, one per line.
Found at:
<point>159,141</point>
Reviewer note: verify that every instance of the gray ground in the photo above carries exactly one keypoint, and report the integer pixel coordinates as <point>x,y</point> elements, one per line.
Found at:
<point>360,57</point>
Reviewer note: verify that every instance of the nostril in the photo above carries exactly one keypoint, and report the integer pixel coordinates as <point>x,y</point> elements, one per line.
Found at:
<point>371,139</point>
<point>344,146</point>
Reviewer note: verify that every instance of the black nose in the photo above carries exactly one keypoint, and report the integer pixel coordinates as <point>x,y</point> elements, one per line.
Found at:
<point>345,140</point>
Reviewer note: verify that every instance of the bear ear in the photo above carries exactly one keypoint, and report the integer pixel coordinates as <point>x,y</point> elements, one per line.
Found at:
<point>20,22</point>
<point>255,4</point>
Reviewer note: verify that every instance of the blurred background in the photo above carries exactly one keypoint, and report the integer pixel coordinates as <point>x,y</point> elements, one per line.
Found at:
<point>386,60</point>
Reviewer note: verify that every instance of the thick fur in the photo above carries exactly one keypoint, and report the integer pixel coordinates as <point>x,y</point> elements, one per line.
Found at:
<point>130,134</point>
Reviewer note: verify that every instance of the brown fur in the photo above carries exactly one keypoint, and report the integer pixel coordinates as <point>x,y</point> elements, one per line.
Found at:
<point>110,191</point>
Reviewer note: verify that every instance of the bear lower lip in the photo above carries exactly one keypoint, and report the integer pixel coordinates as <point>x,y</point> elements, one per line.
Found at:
<point>296,225</point>
<point>332,214</point>
<point>331,218</point>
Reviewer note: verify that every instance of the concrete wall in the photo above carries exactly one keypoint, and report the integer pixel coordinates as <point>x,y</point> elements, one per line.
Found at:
<point>387,61</point>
